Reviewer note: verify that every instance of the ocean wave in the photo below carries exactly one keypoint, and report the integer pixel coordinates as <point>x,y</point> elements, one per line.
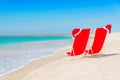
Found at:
<point>16,56</point>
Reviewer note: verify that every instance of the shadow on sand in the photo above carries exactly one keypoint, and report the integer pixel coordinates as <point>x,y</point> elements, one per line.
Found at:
<point>102,55</point>
<point>93,56</point>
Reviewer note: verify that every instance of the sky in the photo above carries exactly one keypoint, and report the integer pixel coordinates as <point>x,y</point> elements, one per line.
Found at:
<point>25,17</point>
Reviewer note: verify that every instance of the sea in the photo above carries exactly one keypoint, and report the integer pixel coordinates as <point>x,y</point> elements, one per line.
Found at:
<point>17,51</point>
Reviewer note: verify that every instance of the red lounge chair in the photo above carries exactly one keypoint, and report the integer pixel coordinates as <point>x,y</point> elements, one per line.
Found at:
<point>99,39</point>
<point>80,39</point>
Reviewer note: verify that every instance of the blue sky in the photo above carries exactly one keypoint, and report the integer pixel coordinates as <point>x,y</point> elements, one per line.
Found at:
<point>56,16</point>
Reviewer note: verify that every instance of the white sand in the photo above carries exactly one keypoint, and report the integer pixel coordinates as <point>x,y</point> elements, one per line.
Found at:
<point>105,66</point>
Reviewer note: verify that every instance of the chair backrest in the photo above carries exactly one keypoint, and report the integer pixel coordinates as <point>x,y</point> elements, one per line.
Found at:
<point>99,39</point>
<point>80,41</point>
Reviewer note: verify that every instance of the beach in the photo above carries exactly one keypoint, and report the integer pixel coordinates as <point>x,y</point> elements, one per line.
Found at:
<point>104,66</point>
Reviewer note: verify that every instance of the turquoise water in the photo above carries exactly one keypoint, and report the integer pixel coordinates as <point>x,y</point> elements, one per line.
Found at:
<point>17,51</point>
<point>4,40</point>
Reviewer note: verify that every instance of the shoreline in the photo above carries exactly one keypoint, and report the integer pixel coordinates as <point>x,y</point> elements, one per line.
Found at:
<point>32,49</point>
<point>10,75</point>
